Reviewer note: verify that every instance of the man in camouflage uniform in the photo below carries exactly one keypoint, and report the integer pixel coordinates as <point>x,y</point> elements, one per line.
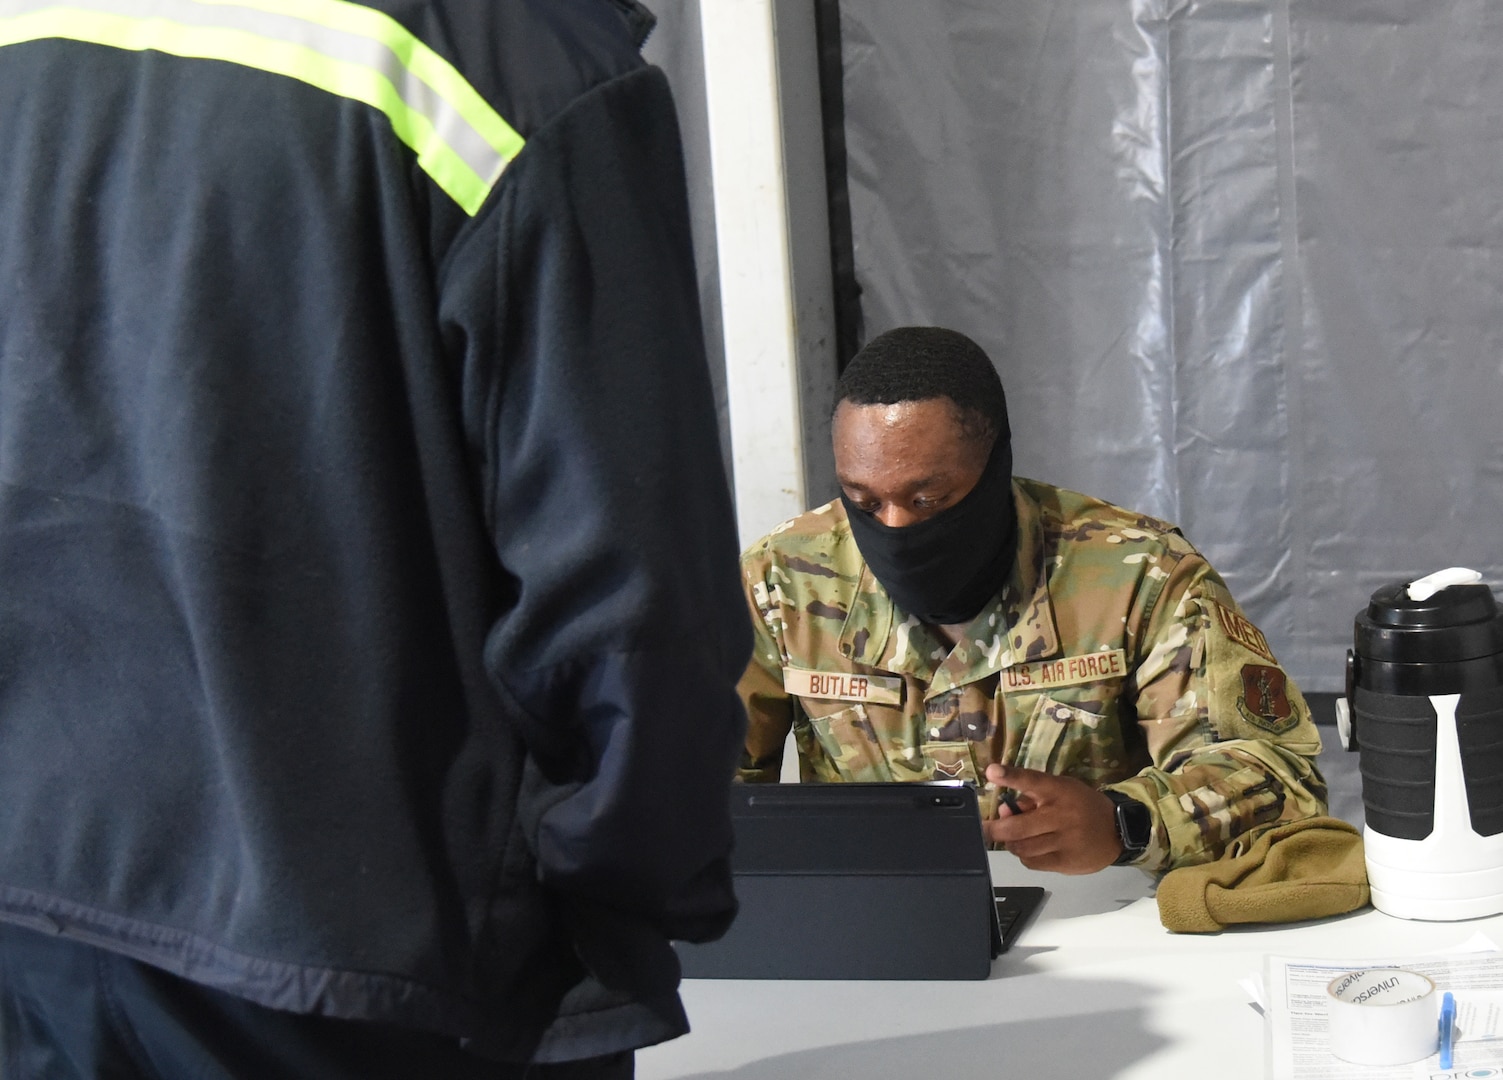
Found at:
<point>1110,668</point>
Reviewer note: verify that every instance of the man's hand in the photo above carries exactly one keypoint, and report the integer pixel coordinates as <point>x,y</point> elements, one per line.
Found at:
<point>1063,825</point>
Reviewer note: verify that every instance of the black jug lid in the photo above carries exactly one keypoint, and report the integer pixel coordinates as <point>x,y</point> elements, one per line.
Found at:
<point>1461,622</point>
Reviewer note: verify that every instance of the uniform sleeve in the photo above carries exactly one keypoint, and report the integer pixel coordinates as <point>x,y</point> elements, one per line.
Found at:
<point>574,306</point>
<point>1230,736</point>
<point>769,708</point>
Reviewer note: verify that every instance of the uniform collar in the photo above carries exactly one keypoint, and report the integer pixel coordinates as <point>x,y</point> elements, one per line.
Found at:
<point>1028,613</point>
<point>1016,627</point>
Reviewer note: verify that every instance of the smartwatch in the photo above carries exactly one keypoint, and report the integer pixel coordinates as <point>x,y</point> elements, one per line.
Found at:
<point>1134,826</point>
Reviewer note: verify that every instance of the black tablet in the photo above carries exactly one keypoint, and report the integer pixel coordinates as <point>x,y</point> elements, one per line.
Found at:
<point>860,881</point>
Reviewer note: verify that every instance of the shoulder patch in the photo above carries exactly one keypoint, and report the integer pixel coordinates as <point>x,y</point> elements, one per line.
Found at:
<point>1265,699</point>
<point>1237,628</point>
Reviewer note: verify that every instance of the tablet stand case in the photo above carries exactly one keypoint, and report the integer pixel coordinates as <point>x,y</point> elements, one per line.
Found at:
<point>855,881</point>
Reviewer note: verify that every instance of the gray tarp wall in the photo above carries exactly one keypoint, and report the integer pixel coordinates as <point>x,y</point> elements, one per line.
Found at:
<point>1239,263</point>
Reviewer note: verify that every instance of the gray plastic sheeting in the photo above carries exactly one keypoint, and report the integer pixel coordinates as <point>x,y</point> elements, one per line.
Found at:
<point>1239,263</point>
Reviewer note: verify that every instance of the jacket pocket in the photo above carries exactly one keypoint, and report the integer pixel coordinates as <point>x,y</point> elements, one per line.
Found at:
<point>851,748</point>
<point>1069,739</point>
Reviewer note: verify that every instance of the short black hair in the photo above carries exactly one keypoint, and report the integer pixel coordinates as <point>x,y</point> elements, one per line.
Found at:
<point>918,363</point>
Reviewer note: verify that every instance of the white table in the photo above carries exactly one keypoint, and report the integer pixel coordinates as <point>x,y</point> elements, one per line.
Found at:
<point>1095,987</point>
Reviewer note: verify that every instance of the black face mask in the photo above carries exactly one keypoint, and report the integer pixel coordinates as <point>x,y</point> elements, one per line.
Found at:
<point>946,568</point>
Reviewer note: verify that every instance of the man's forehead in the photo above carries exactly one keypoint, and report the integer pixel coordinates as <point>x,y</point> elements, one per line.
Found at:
<point>935,416</point>
<point>933,422</point>
<point>920,440</point>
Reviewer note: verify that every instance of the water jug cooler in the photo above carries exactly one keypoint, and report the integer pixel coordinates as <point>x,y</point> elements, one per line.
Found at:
<point>1424,706</point>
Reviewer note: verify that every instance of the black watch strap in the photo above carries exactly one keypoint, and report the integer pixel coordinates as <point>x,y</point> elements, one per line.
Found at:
<point>1134,826</point>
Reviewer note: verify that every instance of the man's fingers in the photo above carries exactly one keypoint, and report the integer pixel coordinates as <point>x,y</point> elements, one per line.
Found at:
<point>1033,847</point>
<point>1048,850</point>
<point>1010,802</point>
<point>1014,828</point>
<point>1043,851</point>
<point>1026,781</point>
<point>1068,826</point>
<point>1056,861</point>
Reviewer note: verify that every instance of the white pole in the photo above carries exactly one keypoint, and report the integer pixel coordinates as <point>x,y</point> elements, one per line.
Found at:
<point>756,287</point>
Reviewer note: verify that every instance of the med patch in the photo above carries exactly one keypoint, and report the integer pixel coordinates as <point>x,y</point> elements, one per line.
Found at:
<point>1238,628</point>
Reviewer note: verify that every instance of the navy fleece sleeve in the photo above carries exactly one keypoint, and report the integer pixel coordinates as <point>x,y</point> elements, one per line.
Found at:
<point>588,399</point>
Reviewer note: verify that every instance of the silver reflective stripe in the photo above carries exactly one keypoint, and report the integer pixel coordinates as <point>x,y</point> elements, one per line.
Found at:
<point>344,48</point>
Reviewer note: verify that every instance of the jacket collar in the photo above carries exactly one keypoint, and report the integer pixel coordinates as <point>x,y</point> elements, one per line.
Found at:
<point>1016,627</point>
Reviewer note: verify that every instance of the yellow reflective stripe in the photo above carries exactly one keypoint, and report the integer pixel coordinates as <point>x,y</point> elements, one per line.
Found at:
<point>342,48</point>
<point>417,57</point>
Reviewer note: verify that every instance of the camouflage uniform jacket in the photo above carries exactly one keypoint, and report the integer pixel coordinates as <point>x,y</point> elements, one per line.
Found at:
<point>1114,654</point>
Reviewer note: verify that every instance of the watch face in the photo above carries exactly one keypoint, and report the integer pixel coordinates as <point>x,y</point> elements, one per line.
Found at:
<point>1134,823</point>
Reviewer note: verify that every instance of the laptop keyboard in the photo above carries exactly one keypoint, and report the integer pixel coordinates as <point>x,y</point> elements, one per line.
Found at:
<point>1014,906</point>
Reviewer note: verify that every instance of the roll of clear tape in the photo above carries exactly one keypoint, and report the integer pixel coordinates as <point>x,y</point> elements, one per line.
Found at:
<point>1383,1016</point>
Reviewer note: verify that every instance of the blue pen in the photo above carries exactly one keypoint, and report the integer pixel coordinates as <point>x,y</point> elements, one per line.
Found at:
<point>1447,1029</point>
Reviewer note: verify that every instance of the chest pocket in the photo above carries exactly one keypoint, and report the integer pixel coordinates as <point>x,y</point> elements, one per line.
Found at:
<point>1080,738</point>
<point>859,743</point>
